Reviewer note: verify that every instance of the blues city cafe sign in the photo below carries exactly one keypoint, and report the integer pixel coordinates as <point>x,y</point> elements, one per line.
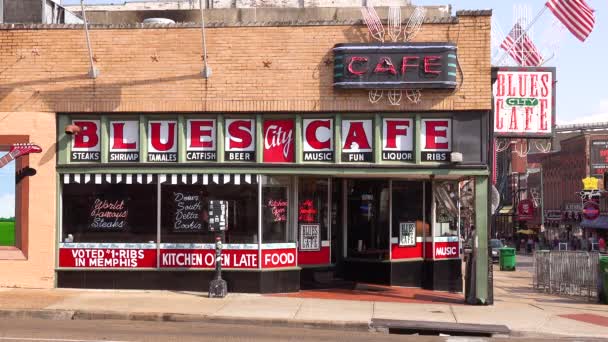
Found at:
<point>524,102</point>
<point>278,143</point>
<point>395,65</point>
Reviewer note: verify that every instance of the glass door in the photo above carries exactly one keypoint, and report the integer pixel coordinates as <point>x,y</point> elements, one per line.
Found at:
<point>368,219</point>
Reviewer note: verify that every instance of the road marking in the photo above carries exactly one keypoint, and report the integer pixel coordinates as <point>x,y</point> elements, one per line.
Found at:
<point>51,339</point>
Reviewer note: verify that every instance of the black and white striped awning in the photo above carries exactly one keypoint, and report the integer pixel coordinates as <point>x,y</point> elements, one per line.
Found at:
<point>178,179</point>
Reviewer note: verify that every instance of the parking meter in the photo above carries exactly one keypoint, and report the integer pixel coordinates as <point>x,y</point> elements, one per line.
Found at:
<point>218,223</point>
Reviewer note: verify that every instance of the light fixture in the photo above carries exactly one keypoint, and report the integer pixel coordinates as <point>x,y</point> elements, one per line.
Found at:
<point>72,129</point>
<point>456,157</point>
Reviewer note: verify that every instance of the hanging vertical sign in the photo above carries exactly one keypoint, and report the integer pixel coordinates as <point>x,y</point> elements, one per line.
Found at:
<point>86,145</point>
<point>436,139</point>
<point>239,140</point>
<point>278,141</point>
<point>357,140</point>
<point>524,102</point>
<point>162,141</point>
<point>218,216</point>
<point>397,139</point>
<point>318,137</point>
<point>124,141</point>
<point>200,140</point>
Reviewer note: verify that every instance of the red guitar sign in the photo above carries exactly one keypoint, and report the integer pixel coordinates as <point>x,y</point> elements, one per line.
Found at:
<point>19,150</point>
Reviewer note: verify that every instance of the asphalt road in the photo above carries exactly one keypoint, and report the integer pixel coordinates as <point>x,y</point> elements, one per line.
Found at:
<point>127,331</point>
<point>30,330</point>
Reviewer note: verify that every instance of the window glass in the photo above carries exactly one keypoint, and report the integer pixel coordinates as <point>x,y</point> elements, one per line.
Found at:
<point>445,195</point>
<point>109,213</point>
<point>407,212</point>
<point>7,204</point>
<point>185,212</point>
<point>368,218</point>
<point>313,209</point>
<point>276,209</point>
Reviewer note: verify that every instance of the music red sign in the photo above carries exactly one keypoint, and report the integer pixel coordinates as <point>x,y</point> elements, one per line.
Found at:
<point>279,141</point>
<point>447,250</point>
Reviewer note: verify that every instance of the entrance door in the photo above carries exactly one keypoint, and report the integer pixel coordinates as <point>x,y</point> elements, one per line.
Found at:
<point>367,219</point>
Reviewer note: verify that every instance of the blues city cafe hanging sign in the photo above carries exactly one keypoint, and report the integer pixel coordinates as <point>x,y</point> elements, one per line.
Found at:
<point>278,140</point>
<point>524,102</point>
<point>395,66</point>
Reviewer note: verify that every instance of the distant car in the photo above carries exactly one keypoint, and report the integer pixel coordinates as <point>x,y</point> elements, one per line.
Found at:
<point>495,244</point>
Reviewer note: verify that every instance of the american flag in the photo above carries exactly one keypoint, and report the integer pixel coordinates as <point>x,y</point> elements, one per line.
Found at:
<point>519,46</point>
<point>576,15</point>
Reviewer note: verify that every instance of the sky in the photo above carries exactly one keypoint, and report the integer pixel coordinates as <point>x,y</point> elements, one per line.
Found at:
<point>7,189</point>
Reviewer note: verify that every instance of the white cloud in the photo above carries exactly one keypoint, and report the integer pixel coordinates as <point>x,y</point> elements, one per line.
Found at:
<point>7,205</point>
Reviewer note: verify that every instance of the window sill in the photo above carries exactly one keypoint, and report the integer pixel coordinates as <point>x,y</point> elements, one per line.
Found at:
<point>11,253</point>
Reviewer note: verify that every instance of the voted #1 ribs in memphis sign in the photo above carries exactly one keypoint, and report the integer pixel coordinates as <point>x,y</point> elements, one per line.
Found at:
<point>395,66</point>
<point>524,102</point>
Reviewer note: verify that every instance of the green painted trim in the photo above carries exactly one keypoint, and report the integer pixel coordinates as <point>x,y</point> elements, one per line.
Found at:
<point>58,215</point>
<point>377,138</point>
<point>197,168</point>
<point>181,138</point>
<point>298,148</point>
<point>481,250</point>
<point>259,145</point>
<point>219,138</point>
<point>417,140</point>
<point>63,140</point>
<point>105,139</point>
<point>143,139</point>
<point>338,139</point>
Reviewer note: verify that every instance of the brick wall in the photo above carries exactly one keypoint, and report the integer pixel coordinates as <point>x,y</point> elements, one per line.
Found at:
<point>254,69</point>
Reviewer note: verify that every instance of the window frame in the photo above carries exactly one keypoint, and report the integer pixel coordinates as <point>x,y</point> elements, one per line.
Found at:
<point>20,250</point>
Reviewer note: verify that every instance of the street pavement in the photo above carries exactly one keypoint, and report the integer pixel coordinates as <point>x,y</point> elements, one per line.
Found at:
<point>517,305</point>
<point>39,330</point>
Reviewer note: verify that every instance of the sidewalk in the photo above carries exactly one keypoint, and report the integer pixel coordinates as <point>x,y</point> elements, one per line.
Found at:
<point>517,306</point>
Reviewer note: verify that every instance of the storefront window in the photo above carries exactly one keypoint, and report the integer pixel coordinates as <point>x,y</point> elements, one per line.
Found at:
<point>7,204</point>
<point>109,213</point>
<point>368,219</point>
<point>276,209</point>
<point>185,212</point>
<point>408,220</point>
<point>445,195</point>
<point>312,212</point>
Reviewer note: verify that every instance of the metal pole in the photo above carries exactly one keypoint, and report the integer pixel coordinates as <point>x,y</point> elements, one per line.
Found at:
<point>93,72</point>
<point>542,201</point>
<point>504,55</point>
<point>206,71</point>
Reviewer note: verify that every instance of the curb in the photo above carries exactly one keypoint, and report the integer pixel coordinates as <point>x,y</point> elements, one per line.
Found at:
<point>176,317</point>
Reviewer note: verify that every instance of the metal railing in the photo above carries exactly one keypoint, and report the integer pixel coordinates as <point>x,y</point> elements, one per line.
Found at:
<point>567,273</point>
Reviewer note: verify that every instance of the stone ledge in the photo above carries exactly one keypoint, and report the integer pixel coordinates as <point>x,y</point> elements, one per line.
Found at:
<point>248,17</point>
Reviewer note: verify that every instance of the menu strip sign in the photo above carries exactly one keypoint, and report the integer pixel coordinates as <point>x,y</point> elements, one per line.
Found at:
<point>436,140</point>
<point>240,140</point>
<point>397,139</point>
<point>162,141</point>
<point>124,141</point>
<point>318,135</point>
<point>200,140</point>
<point>86,145</point>
<point>357,141</point>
